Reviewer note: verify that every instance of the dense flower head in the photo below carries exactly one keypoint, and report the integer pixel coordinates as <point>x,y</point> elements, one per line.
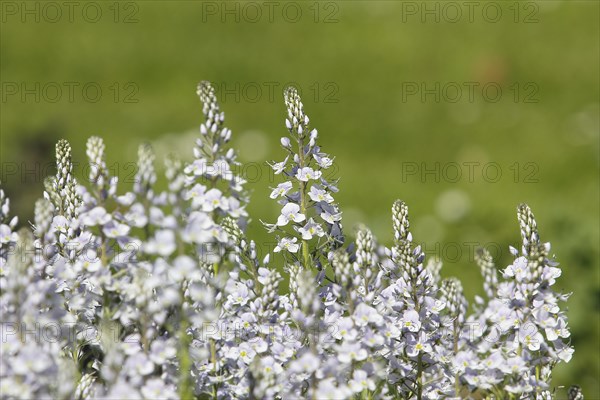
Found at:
<point>309,227</point>
<point>159,293</point>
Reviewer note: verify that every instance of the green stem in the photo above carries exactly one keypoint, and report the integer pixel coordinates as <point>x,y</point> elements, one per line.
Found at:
<point>418,378</point>
<point>213,360</point>
<point>186,390</point>
<point>305,252</point>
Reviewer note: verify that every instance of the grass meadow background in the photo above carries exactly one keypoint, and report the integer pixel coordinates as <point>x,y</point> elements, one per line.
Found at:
<point>462,109</point>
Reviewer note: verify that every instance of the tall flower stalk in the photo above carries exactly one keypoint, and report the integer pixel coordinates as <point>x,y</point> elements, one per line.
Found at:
<point>310,220</point>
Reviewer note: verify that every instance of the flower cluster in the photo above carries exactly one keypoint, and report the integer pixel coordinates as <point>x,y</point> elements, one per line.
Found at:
<point>309,222</point>
<point>159,293</point>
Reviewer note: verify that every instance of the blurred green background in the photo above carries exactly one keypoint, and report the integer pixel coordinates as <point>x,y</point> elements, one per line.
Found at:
<point>380,80</point>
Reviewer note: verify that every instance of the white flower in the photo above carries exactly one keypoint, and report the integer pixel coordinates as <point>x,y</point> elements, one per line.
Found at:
<point>199,228</point>
<point>115,229</point>
<point>198,167</point>
<point>360,381</point>
<point>305,174</point>
<point>236,209</point>
<point>560,330</point>
<point>214,199</point>
<point>281,190</point>
<point>270,366</point>
<point>136,216</point>
<point>126,200</point>
<point>246,352</point>
<point>139,364</point>
<point>344,329</point>
<point>327,390</point>
<point>365,314</point>
<point>162,244</point>
<point>95,216</point>
<point>290,212</point>
<point>156,389</point>
<point>59,224</point>
<point>518,269</point>
<point>564,352</point>
<point>92,264</point>
<point>279,167</point>
<point>530,337</point>
<point>308,362</point>
<point>323,161</point>
<point>417,344</point>
<point>7,236</point>
<point>219,234</point>
<point>317,195</point>
<point>331,218</point>
<point>373,339</point>
<point>220,168</point>
<point>311,228</point>
<point>196,194</point>
<point>411,320</point>
<point>182,268</point>
<point>240,295</point>
<point>347,352</point>
<point>161,351</point>
<point>288,244</point>
<point>157,217</point>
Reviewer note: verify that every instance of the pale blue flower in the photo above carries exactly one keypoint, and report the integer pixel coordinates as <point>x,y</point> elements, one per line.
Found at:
<point>513,365</point>
<point>95,216</point>
<point>307,173</point>
<point>343,328</point>
<point>317,195</point>
<point>280,166</point>
<point>246,352</point>
<point>198,229</point>
<point>331,218</point>
<point>281,190</point>
<point>214,199</point>
<point>157,389</point>
<point>235,208</point>
<point>7,235</point>
<point>196,194</point>
<point>418,344</point>
<point>290,212</point>
<point>518,269</point>
<point>307,362</point>
<point>560,329</point>
<point>136,216</point>
<point>162,350</point>
<point>323,161</point>
<point>411,321</point>
<point>364,314</point>
<point>288,244</point>
<point>348,352</point>
<point>311,229</point>
<point>59,224</point>
<point>328,390</point>
<point>163,243</point>
<point>240,295</point>
<point>115,229</point>
<point>530,337</point>
<point>220,168</point>
<point>139,364</point>
<point>361,381</point>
